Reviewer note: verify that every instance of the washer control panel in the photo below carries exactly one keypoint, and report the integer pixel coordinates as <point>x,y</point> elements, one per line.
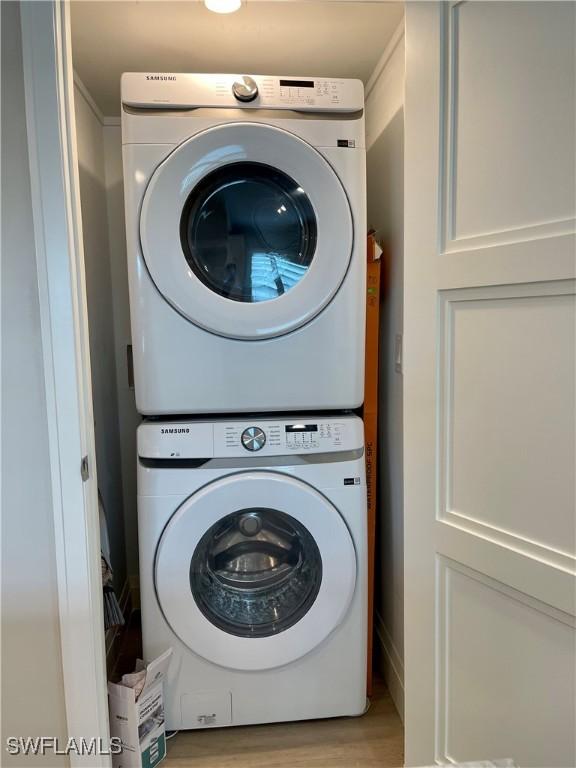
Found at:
<point>282,438</point>
<point>303,436</point>
<point>253,437</point>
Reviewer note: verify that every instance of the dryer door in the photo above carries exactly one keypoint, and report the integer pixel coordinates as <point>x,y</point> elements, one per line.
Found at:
<point>255,570</point>
<point>246,230</point>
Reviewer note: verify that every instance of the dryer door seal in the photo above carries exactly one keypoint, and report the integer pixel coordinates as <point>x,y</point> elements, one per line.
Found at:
<point>255,570</point>
<point>246,231</point>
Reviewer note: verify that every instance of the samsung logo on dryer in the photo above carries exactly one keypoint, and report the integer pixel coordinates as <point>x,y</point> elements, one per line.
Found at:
<point>174,431</point>
<point>160,77</point>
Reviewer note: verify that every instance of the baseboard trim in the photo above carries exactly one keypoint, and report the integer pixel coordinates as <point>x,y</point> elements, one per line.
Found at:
<point>390,663</point>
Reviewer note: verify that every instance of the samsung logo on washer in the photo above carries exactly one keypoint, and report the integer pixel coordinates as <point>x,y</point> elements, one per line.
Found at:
<point>160,77</point>
<point>175,431</point>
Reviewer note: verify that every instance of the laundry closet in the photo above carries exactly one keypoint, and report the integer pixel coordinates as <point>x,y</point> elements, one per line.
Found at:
<point>240,368</point>
<point>474,325</point>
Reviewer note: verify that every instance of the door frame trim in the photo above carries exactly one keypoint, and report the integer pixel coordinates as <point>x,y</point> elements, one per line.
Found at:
<point>57,224</point>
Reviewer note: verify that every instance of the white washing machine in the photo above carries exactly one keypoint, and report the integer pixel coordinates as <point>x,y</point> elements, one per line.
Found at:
<point>245,217</point>
<point>253,567</point>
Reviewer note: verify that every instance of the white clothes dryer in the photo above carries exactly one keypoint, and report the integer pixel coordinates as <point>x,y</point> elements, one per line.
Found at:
<point>246,224</point>
<point>253,567</point>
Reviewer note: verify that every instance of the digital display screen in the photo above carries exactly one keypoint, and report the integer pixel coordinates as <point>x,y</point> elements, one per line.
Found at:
<point>297,83</point>
<point>302,428</point>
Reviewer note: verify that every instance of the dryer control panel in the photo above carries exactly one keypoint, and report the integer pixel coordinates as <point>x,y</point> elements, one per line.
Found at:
<point>250,437</point>
<point>176,90</point>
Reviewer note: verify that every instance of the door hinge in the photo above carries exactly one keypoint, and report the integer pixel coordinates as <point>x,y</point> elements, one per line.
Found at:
<point>84,469</point>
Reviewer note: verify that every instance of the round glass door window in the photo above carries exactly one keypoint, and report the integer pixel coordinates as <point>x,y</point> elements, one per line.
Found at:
<point>256,572</point>
<point>248,232</point>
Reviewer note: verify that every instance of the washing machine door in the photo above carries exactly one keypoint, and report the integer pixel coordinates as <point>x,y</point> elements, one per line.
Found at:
<point>255,570</point>
<point>246,231</point>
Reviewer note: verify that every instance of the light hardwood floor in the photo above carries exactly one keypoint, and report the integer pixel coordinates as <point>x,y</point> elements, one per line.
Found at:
<point>375,739</point>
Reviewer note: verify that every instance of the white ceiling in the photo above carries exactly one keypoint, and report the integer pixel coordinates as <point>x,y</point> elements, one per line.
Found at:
<point>333,39</point>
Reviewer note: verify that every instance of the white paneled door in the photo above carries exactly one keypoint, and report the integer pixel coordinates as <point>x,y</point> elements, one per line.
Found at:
<point>489,398</point>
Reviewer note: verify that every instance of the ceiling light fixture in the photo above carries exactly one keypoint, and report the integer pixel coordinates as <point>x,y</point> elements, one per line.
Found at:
<point>223,6</point>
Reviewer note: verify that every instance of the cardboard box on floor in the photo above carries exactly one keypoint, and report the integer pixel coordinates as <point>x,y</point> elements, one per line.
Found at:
<point>370,414</point>
<point>137,716</point>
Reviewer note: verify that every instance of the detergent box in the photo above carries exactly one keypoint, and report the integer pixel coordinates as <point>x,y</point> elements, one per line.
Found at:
<point>137,714</point>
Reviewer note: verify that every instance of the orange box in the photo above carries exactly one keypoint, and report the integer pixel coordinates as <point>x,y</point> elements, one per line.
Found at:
<point>370,414</point>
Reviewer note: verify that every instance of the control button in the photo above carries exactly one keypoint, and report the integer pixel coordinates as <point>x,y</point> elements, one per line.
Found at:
<point>253,439</point>
<point>245,89</point>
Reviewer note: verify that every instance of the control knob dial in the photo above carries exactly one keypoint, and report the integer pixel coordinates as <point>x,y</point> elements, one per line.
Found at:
<point>253,439</point>
<point>245,89</point>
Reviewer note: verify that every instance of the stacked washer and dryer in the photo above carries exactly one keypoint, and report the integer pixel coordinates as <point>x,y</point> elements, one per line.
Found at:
<point>245,217</point>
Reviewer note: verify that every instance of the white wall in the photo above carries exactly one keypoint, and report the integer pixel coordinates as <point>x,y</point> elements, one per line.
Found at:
<point>32,684</point>
<point>101,312</point>
<point>385,88</point>
<point>385,171</point>
<point>128,416</point>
